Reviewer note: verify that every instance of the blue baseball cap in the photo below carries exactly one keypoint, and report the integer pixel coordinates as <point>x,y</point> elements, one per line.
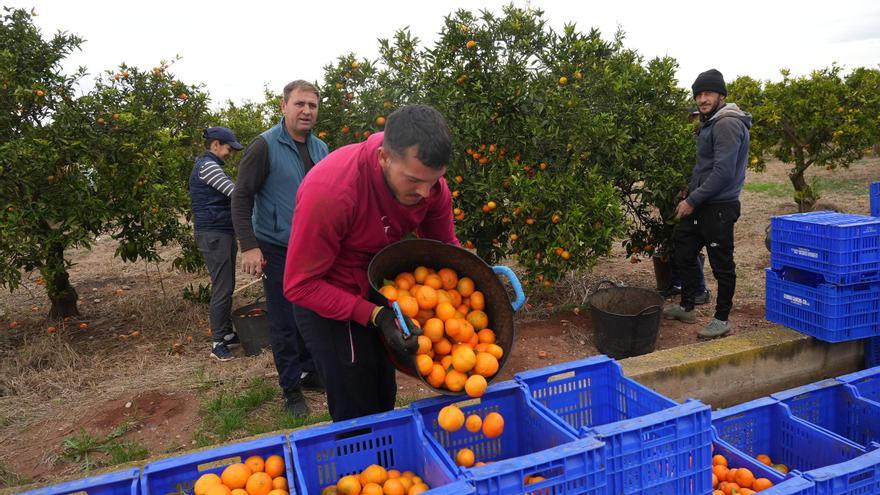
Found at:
<point>224,135</point>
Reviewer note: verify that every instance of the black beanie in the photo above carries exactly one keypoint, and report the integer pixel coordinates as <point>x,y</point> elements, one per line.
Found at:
<point>711,80</point>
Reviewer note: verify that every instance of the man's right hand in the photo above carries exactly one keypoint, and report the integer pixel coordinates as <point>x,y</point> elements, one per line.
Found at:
<point>252,261</point>
<point>386,321</point>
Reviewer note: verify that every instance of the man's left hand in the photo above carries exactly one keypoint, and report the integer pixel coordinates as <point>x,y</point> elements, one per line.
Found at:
<point>683,209</point>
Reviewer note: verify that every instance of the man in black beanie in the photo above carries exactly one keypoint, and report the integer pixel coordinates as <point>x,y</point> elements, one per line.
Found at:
<point>711,205</point>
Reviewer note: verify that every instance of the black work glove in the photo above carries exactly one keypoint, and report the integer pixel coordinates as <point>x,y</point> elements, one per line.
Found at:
<point>386,322</point>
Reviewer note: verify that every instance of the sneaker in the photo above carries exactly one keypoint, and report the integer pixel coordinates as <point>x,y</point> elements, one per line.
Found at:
<point>231,339</point>
<point>311,380</point>
<point>296,405</point>
<point>672,290</point>
<point>703,297</point>
<point>676,312</point>
<point>715,328</point>
<point>221,352</point>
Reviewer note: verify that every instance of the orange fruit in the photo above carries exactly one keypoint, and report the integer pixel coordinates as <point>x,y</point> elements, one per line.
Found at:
<point>764,459</point>
<point>420,273</point>
<point>280,483</point>
<point>427,297</point>
<point>204,482</point>
<point>425,344</point>
<point>719,459</point>
<point>730,488</point>
<point>437,376</point>
<point>374,473</point>
<point>465,457</point>
<point>448,277</point>
<point>450,418</point>
<point>444,311</point>
<point>394,487</point>
<point>417,489</point>
<point>493,425</point>
<point>424,363</point>
<point>443,296</point>
<point>465,286</point>
<point>486,335</point>
<point>218,489</point>
<point>446,362</point>
<point>393,473</point>
<point>486,364</point>
<point>473,423</point>
<point>478,319</point>
<point>404,280</point>
<point>259,483</point>
<point>466,332</point>
<point>330,490</point>
<point>495,350</point>
<point>408,306</point>
<point>442,347</point>
<point>453,326</point>
<point>406,481</point>
<point>256,463</point>
<point>714,480</point>
<point>433,329</point>
<point>474,340</point>
<point>720,471</point>
<point>475,386</point>
<point>348,485</point>
<point>455,380</point>
<point>478,301</point>
<point>236,475</point>
<point>433,281</point>
<point>371,489</point>
<point>279,491</point>
<point>731,475</point>
<point>275,466</point>
<point>238,491</point>
<point>455,296</point>
<point>463,359</point>
<point>744,477</point>
<point>408,474</point>
<point>761,484</point>
<point>389,291</point>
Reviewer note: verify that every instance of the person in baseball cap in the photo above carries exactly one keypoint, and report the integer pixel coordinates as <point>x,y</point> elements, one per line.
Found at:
<point>224,135</point>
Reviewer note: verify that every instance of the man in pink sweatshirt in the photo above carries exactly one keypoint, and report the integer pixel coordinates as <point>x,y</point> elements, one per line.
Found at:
<point>359,199</point>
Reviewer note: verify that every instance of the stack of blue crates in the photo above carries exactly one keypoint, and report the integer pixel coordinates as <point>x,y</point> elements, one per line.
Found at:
<point>824,278</point>
<point>872,344</point>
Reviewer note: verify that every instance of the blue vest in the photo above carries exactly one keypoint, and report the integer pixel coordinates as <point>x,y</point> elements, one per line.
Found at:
<point>211,208</point>
<point>274,202</point>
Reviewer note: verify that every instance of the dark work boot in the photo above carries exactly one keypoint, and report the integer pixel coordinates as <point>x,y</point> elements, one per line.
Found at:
<point>295,404</point>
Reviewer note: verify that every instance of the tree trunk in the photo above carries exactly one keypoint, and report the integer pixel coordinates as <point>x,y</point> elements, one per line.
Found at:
<point>804,195</point>
<point>62,295</point>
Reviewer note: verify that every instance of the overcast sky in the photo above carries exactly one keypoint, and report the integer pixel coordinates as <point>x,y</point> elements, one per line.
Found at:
<point>236,48</point>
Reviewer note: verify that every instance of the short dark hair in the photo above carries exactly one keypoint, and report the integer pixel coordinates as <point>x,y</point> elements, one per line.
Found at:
<point>421,126</point>
<point>208,142</point>
<point>300,84</point>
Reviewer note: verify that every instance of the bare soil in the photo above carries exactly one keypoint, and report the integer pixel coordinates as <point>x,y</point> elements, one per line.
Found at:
<point>143,359</point>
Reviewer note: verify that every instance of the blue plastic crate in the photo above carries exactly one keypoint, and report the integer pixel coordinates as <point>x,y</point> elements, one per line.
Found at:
<point>116,483</point>
<point>867,382</point>
<point>792,486</point>
<point>527,432</point>
<point>872,352</point>
<point>576,467</point>
<point>177,475</point>
<point>737,459</point>
<point>832,313</point>
<point>766,426</point>
<point>653,445</point>
<point>875,199</point>
<point>845,249</point>
<point>856,477</point>
<point>835,406</point>
<point>394,440</point>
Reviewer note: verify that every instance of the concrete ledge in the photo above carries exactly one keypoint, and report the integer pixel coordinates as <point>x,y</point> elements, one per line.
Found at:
<point>740,368</point>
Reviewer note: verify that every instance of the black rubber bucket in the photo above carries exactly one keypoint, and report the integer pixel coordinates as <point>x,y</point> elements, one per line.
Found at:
<point>251,323</point>
<point>626,320</point>
<point>406,255</point>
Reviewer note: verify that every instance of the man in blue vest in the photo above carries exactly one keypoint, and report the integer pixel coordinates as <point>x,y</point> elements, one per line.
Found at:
<point>210,190</point>
<point>269,174</point>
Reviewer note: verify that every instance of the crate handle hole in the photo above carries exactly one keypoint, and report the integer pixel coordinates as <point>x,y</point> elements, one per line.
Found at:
<point>560,376</point>
<point>354,433</point>
<point>219,463</point>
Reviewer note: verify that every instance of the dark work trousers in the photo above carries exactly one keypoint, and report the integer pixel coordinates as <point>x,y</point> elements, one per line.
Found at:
<point>710,225</point>
<point>292,357</point>
<point>219,250</point>
<point>358,376</point>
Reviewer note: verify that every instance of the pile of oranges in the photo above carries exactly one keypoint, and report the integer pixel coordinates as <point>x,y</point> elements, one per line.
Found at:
<point>254,476</point>
<point>740,481</point>
<point>451,419</point>
<point>457,349</point>
<point>376,480</point>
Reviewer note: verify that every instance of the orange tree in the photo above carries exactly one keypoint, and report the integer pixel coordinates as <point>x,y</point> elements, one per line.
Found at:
<point>559,136</point>
<point>822,119</point>
<point>112,161</point>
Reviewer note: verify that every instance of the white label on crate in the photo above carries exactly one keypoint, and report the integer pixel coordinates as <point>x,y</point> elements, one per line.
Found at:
<point>800,301</point>
<point>805,252</point>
